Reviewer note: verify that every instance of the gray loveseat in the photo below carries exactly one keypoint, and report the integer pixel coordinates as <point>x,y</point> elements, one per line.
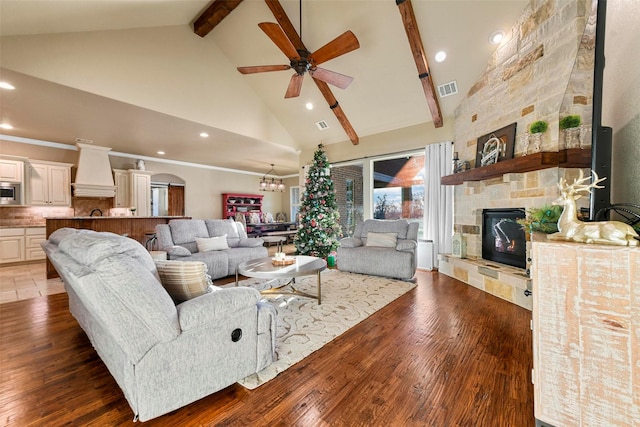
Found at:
<point>390,251</point>
<point>178,239</point>
<point>161,355</point>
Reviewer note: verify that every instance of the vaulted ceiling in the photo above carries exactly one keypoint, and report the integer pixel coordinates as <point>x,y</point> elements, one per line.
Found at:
<point>132,75</point>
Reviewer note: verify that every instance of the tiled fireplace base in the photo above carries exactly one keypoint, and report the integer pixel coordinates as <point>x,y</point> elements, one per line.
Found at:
<point>499,280</point>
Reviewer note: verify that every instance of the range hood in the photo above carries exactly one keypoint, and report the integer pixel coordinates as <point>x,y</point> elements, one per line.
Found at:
<point>93,177</point>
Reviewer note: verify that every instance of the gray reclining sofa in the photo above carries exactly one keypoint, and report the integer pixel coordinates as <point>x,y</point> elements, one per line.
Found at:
<point>178,239</point>
<point>161,355</point>
<point>390,251</point>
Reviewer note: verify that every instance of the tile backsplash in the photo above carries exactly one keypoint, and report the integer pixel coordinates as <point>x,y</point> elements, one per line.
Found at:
<point>27,216</point>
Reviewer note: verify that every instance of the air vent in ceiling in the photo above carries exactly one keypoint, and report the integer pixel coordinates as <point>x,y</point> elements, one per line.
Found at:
<point>447,89</point>
<point>322,125</point>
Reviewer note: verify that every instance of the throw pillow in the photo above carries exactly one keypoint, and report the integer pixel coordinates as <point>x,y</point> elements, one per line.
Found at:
<point>212,243</point>
<point>184,280</point>
<point>385,240</point>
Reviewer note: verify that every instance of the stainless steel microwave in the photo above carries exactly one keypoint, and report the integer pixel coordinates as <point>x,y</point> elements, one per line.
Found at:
<point>10,193</point>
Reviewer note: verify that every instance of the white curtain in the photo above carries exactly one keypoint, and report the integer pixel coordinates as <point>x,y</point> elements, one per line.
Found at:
<point>438,212</point>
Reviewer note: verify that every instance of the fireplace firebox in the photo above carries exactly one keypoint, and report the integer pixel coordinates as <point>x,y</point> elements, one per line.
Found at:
<point>503,239</point>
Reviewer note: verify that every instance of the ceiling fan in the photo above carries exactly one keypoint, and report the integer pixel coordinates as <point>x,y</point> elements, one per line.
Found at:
<point>302,61</point>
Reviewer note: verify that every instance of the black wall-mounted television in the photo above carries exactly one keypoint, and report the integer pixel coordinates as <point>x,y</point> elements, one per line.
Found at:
<point>602,136</point>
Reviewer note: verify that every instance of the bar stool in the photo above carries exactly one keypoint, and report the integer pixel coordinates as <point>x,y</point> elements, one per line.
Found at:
<point>151,239</point>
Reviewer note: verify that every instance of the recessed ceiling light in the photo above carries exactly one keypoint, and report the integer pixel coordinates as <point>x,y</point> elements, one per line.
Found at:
<point>204,134</point>
<point>5,85</point>
<point>6,126</point>
<point>441,56</point>
<point>161,153</point>
<point>496,37</point>
<point>309,106</point>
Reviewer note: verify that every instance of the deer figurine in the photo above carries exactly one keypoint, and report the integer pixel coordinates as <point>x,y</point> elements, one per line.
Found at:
<point>571,229</point>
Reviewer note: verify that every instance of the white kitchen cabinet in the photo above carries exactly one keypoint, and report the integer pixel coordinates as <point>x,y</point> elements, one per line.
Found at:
<point>11,170</point>
<point>140,191</point>
<point>121,180</point>
<point>48,184</point>
<point>32,239</point>
<point>11,245</point>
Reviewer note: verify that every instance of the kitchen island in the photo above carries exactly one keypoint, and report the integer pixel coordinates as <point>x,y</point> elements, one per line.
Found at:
<point>136,227</point>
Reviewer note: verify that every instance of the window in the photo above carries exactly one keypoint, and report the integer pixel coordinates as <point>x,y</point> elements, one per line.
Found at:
<point>398,188</point>
<point>294,203</point>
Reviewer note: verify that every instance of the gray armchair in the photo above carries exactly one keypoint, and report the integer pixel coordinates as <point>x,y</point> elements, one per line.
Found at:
<point>381,248</point>
<point>161,355</point>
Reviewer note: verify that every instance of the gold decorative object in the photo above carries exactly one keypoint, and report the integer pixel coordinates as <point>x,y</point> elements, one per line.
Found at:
<point>602,232</point>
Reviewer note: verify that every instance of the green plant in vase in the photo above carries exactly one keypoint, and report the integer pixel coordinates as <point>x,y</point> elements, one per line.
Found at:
<point>570,122</point>
<point>544,219</point>
<point>570,127</point>
<point>536,129</point>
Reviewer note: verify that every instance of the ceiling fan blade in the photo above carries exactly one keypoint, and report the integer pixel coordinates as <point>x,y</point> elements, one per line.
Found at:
<point>331,77</point>
<point>345,42</point>
<point>420,57</point>
<point>263,68</point>
<point>295,85</point>
<point>278,36</point>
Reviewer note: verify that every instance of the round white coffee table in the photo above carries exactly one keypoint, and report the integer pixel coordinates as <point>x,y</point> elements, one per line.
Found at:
<point>264,268</point>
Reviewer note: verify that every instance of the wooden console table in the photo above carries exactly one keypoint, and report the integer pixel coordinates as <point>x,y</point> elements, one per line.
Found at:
<point>586,329</point>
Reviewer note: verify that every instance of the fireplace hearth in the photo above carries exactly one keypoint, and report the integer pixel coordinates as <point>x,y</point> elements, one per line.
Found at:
<point>503,239</point>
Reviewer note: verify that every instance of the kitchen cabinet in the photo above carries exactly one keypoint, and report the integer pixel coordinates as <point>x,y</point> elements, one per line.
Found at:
<point>48,184</point>
<point>140,191</point>
<point>121,180</point>
<point>133,189</point>
<point>21,244</point>
<point>32,239</point>
<point>11,170</point>
<point>11,245</point>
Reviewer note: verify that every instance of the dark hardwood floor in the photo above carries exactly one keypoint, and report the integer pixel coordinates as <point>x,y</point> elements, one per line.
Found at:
<point>444,354</point>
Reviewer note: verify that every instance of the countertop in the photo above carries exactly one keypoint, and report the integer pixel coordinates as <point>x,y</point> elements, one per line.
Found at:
<point>22,226</point>
<point>111,217</point>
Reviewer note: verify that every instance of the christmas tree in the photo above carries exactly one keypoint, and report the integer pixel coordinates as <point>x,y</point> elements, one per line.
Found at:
<point>318,231</point>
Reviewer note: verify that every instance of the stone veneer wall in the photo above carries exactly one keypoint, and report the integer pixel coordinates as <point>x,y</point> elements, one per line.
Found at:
<point>525,80</point>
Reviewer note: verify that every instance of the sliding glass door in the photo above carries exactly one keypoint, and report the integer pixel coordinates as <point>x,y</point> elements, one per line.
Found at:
<point>382,188</point>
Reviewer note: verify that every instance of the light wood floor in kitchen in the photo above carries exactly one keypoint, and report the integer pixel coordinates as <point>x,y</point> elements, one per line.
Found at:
<point>19,282</point>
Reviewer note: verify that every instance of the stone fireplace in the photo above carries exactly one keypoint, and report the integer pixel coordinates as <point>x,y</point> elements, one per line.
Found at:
<point>529,77</point>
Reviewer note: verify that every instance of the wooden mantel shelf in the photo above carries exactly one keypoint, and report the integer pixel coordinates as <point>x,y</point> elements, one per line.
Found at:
<point>569,158</point>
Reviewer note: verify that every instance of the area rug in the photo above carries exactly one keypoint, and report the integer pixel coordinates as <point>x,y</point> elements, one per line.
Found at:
<point>304,326</point>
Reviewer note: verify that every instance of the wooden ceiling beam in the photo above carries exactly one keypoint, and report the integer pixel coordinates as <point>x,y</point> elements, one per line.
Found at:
<point>420,58</point>
<point>337,110</point>
<point>292,34</point>
<point>213,15</point>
